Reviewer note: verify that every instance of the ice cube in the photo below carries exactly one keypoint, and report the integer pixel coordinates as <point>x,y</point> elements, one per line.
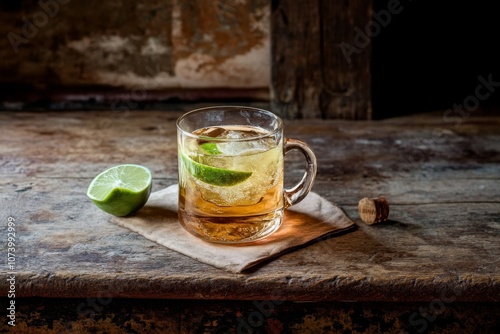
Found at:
<point>244,147</point>
<point>247,133</point>
<point>213,132</point>
<point>241,148</point>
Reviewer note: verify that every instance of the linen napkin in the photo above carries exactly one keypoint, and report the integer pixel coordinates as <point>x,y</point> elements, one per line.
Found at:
<point>304,222</point>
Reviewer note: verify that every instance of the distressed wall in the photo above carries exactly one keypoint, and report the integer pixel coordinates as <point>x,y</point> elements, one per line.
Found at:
<point>155,45</point>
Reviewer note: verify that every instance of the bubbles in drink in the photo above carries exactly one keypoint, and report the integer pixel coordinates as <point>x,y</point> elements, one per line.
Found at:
<point>249,150</point>
<point>230,183</point>
<point>243,142</point>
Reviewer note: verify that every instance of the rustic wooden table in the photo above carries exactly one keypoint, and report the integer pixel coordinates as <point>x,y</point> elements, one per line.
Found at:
<point>433,266</point>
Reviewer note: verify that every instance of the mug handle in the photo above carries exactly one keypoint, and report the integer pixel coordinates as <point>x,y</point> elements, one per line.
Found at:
<point>300,191</point>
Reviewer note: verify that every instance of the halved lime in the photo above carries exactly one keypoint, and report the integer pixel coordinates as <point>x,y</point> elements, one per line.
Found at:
<point>214,175</point>
<point>121,190</point>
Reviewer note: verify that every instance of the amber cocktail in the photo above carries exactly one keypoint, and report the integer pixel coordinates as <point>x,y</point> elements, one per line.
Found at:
<point>231,173</point>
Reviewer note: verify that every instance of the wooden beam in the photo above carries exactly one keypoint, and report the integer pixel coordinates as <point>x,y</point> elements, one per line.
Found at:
<point>313,73</point>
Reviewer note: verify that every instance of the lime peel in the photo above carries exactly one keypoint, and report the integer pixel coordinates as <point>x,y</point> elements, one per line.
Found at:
<point>214,175</point>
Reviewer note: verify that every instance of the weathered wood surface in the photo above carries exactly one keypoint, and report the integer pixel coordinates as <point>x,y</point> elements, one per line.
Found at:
<point>442,182</point>
<point>312,75</point>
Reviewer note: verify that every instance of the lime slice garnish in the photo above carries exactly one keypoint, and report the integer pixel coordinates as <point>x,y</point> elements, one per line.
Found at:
<point>214,175</point>
<point>121,190</point>
<point>210,148</point>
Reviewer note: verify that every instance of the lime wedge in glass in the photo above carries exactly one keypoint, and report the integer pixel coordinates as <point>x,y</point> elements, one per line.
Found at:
<point>210,148</point>
<point>121,190</point>
<point>214,175</point>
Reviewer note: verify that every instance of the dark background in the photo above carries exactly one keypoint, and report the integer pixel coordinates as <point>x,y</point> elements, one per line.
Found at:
<point>430,56</point>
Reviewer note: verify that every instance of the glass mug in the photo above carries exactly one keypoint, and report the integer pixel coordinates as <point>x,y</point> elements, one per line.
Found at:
<point>231,173</point>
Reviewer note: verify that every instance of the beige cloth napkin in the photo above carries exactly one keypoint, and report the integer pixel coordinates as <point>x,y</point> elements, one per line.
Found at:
<point>312,218</point>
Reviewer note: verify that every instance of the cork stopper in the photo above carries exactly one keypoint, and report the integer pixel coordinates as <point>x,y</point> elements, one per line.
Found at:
<point>373,210</point>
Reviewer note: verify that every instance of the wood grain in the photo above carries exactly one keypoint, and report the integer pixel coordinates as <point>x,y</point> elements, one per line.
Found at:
<point>311,76</point>
<point>442,182</point>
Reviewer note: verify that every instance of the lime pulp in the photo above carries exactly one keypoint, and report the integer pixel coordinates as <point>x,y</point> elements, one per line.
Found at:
<point>214,175</point>
<point>210,148</point>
